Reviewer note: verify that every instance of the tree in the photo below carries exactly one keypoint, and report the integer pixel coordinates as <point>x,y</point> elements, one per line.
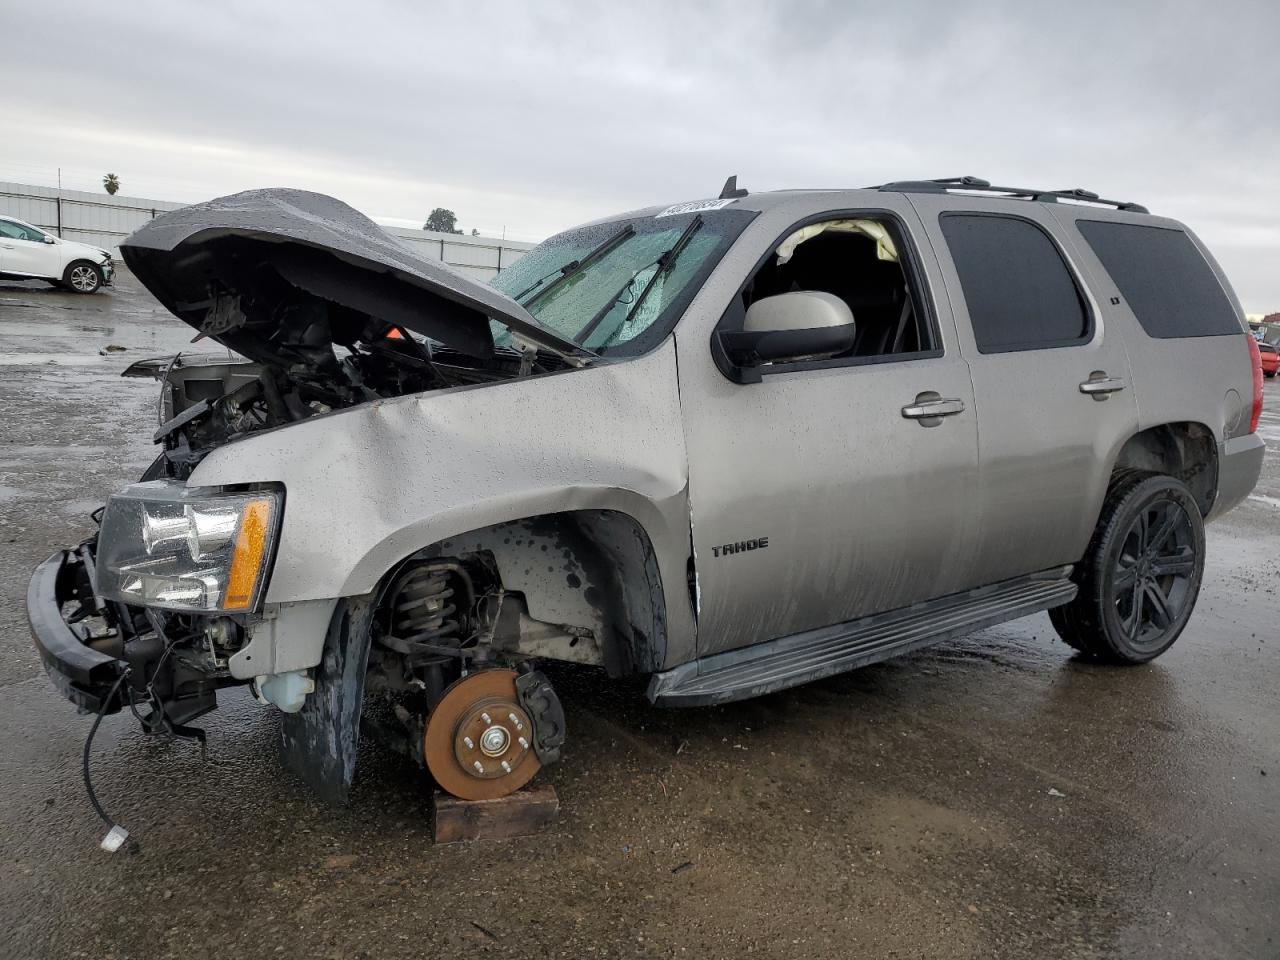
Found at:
<point>475,232</point>
<point>111,183</point>
<point>442,221</point>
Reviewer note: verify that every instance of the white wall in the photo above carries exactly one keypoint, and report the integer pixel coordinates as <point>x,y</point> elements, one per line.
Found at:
<point>480,257</point>
<point>96,218</point>
<point>104,221</point>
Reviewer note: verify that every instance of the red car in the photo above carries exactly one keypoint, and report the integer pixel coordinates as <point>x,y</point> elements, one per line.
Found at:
<point>1270,358</point>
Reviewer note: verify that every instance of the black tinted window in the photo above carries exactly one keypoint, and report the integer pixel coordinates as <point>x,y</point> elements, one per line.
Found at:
<point>1016,285</point>
<point>1164,277</point>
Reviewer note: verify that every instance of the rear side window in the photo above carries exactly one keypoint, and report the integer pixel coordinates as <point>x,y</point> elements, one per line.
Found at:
<point>1017,288</point>
<point>1164,277</point>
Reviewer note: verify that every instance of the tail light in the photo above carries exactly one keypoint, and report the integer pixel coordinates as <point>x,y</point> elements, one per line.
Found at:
<point>1255,355</point>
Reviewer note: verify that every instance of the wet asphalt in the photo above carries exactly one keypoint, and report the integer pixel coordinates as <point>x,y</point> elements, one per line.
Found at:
<point>994,797</point>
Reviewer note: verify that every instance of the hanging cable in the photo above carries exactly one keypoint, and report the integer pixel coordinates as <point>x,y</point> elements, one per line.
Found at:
<point>117,835</point>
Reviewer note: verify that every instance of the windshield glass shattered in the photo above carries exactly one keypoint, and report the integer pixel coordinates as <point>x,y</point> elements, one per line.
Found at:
<point>619,286</point>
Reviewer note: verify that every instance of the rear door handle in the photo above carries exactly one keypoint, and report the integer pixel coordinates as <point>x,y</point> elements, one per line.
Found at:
<point>929,409</point>
<point>1099,385</point>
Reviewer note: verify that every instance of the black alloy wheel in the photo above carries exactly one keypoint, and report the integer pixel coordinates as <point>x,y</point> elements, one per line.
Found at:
<point>1141,575</point>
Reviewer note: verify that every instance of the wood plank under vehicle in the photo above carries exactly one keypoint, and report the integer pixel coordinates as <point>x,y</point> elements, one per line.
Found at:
<point>516,815</point>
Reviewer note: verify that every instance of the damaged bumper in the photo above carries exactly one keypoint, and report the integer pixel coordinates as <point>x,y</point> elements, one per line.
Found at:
<point>82,674</point>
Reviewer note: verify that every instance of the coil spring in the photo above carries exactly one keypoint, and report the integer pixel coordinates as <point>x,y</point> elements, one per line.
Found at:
<point>424,609</point>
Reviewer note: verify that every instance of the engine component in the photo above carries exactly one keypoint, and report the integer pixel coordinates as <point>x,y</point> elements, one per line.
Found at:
<point>479,739</point>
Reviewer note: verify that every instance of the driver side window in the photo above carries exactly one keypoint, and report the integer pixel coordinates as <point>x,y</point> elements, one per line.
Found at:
<point>865,263</point>
<point>16,231</point>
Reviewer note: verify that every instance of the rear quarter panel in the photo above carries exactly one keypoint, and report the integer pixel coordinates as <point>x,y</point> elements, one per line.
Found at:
<point>1207,380</point>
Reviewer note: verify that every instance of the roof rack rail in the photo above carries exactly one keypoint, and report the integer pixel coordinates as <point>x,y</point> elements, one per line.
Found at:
<point>978,185</point>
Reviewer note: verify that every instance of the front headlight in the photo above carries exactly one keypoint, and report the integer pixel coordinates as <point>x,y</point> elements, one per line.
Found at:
<point>165,545</point>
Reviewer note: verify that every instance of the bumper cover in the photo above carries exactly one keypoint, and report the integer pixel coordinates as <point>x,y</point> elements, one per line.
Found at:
<point>83,675</point>
<point>1239,466</point>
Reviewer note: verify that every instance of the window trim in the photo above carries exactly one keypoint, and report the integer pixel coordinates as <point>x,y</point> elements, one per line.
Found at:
<point>1082,289</point>
<point>917,288</point>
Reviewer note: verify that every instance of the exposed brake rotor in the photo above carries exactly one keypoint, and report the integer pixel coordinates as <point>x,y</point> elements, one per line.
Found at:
<point>478,742</point>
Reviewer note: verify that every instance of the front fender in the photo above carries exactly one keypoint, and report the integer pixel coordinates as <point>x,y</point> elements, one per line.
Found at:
<point>370,485</point>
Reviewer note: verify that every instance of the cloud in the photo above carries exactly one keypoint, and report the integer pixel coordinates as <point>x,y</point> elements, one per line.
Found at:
<point>535,116</point>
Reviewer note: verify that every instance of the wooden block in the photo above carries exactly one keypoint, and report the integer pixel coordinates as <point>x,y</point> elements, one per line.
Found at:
<point>517,815</point>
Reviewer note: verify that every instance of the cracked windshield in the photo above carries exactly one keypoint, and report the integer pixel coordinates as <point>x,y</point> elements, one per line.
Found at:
<point>612,286</point>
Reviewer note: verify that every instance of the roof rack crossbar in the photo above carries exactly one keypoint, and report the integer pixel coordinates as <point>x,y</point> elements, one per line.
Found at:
<point>978,185</point>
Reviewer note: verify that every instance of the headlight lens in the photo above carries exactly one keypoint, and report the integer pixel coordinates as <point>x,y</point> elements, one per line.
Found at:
<point>165,545</point>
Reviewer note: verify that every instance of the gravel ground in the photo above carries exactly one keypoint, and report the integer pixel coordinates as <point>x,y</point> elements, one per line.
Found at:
<point>994,797</point>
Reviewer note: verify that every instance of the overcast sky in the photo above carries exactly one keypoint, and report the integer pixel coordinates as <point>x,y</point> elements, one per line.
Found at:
<point>535,116</point>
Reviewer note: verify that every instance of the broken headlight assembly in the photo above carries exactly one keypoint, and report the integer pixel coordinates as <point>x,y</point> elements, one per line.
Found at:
<point>187,550</point>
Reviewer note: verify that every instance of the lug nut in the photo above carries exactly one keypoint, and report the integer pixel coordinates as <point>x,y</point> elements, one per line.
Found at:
<point>506,766</point>
<point>469,742</point>
<point>479,767</point>
<point>523,743</point>
<point>485,717</point>
<point>514,719</point>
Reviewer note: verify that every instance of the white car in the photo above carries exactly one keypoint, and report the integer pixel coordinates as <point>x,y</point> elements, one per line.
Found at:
<point>28,253</point>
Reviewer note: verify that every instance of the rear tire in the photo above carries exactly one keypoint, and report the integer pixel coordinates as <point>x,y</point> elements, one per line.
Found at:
<point>1141,575</point>
<point>82,277</point>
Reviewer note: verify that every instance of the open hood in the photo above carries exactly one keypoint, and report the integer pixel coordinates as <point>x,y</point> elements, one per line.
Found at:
<point>249,271</point>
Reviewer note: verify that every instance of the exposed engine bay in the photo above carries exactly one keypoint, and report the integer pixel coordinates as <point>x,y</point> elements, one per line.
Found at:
<point>209,399</point>
<point>328,311</point>
<point>309,355</point>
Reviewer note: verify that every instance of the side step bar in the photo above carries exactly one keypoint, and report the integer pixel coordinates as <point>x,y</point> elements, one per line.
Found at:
<point>802,657</point>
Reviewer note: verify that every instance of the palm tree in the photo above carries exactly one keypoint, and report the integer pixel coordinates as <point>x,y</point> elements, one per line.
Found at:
<point>111,183</point>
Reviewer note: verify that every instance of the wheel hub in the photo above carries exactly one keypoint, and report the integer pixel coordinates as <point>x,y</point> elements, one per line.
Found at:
<point>477,742</point>
<point>493,742</point>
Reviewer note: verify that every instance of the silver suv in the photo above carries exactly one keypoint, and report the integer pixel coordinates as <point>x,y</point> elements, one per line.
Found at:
<point>733,445</point>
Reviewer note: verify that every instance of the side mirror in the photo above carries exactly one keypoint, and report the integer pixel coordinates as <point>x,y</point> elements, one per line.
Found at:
<point>788,327</point>
<point>48,240</point>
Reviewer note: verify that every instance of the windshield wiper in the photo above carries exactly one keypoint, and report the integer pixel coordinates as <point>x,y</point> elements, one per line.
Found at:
<point>663,263</point>
<point>571,269</point>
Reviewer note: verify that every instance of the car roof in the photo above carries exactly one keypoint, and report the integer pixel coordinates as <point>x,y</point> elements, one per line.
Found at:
<point>982,192</point>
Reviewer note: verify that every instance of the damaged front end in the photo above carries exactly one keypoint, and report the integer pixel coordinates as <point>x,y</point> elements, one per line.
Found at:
<point>161,596</point>
<point>323,310</point>
<point>319,311</point>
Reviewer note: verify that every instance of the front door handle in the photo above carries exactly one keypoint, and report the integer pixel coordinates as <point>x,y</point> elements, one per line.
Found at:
<point>929,408</point>
<point>1100,386</point>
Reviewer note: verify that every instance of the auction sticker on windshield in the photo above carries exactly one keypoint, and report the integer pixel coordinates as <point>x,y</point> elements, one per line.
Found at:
<point>693,206</point>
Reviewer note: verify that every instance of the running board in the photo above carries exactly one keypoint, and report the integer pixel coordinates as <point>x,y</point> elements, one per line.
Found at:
<point>802,657</point>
